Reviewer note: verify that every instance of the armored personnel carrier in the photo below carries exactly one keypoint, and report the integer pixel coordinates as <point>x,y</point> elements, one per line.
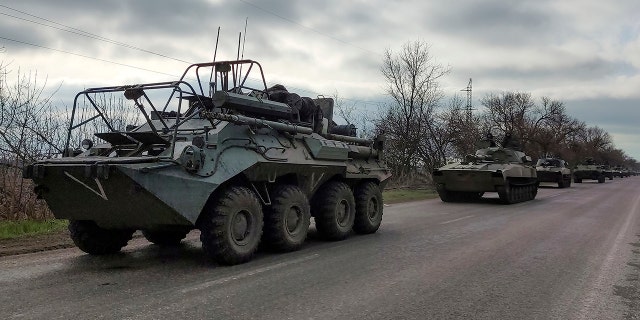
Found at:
<point>218,151</point>
<point>590,170</point>
<point>554,170</point>
<point>492,169</point>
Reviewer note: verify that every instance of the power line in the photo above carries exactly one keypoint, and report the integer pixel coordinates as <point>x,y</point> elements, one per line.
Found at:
<point>85,56</point>
<point>83,33</point>
<point>80,32</point>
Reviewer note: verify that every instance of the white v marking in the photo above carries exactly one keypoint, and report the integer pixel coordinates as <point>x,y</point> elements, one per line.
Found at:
<point>100,194</point>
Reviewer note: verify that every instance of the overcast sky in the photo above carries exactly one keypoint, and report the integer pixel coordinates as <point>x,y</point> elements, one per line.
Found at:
<point>585,53</point>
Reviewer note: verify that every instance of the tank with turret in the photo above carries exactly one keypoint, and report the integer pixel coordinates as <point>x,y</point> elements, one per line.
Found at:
<point>219,151</point>
<point>493,168</point>
<point>554,170</point>
<point>590,170</point>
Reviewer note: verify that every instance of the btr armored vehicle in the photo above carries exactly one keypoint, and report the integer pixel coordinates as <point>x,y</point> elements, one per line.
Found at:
<point>218,151</point>
<point>591,170</point>
<point>554,170</point>
<point>492,169</point>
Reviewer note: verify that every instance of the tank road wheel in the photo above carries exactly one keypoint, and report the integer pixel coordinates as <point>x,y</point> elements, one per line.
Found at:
<point>369,207</point>
<point>286,221</point>
<point>166,236</point>
<point>334,210</point>
<point>231,228</point>
<point>92,239</point>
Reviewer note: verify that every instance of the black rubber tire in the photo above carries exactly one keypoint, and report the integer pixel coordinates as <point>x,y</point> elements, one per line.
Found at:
<point>231,227</point>
<point>334,210</point>
<point>601,179</point>
<point>286,221</point>
<point>92,239</point>
<point>166,236</point>
<point>369,208</point>
<point>577,180</point>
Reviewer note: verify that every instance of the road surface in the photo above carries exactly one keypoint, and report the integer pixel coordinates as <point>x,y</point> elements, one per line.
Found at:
<point>569,254</point>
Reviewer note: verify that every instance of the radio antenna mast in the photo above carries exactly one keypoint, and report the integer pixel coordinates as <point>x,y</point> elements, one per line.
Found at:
<point>244,38</point>
<point>215,52</point>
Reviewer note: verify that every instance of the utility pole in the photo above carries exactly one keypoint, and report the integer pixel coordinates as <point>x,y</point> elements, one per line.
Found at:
<point>469,107</point>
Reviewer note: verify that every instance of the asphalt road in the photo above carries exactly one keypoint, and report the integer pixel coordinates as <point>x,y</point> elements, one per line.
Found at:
<point>569,254</point>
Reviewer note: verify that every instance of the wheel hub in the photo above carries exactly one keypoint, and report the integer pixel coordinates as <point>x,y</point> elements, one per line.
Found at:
<point>293,219</point>
<point>241,226</point>
<point>342,214</point>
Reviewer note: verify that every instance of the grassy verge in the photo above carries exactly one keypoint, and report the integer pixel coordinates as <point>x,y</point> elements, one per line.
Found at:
<point>405,195</point>
<point>15,229</point>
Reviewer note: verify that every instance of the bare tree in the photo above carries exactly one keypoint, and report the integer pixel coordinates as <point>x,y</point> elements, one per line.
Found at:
<point>410,123</point>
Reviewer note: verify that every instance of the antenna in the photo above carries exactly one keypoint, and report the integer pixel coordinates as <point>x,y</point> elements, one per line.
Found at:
<point>468,108</point>
<point>235,72</point>
<point>246,21</point>
<point>215,52</point>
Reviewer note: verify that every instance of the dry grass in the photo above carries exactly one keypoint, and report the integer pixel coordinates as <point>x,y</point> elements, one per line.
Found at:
<point>17,200</point>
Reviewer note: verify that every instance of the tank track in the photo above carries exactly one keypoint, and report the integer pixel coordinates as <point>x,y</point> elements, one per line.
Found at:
<point>515,193</point>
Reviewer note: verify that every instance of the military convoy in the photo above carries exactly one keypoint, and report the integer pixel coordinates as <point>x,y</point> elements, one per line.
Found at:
<point>554,170</point>
<point>221,152</point>
<point>493,168</point>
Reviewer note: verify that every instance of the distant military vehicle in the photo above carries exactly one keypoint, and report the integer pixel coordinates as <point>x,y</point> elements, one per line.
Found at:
<point>220,152</point>
<point>554,170</point>
<point>492,169</point>
<point>620,172</point>
<point>591,170</point>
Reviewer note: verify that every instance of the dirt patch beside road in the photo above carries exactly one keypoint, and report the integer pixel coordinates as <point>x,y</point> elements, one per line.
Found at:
<point>41,242</point>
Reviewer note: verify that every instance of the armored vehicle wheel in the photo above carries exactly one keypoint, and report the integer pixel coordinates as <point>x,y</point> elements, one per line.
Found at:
<point>334,210</point>
<point>369,207</point>
<point>286,221</point>
<point>166,236</point>
<point>601,179</point>
<point>232,226</point>
<point>92,239</point>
